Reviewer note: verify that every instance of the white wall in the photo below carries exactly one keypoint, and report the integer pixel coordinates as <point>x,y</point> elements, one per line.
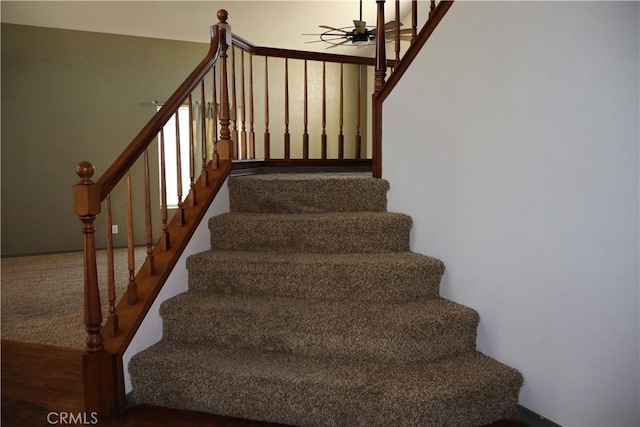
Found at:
<point>513,143</point>
<point>150,332</point>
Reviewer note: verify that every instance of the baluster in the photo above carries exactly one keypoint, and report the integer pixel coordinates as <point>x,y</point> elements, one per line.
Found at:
<point>305,135</point>
<point>203,137</point>
<point>414,19</point>
<point>267,138</point>
<point>323,137</point>
<point>397,33</point>
<point>381,56</point>
<point>180,212</point>
<point>132,287</point>
<point>243,132</point>
<point>432,8</point>
<point>358,115</point>
<point>150,262</point>
<point>224,145</point>
<point>86,197</point>
<point>111,285</point>
<point>252,134</point>
<point>164,237</point>
<point>287,137</point>
<point>192,155</point>
<point>234,110</point>
<point>340,134</point>
<point>214,114</point>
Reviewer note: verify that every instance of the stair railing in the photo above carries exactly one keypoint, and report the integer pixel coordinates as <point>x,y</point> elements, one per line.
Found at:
<point>209,165</point>
<point>383,88</point>
<point>326,126</point>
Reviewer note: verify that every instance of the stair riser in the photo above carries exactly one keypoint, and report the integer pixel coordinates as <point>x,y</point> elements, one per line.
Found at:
<point>264,195</point>
<point>328,233</point>
<point>365,282</point>
<point>322,337</point>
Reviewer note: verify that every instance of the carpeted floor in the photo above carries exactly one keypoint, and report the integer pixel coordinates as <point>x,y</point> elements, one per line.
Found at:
<point>42,295</point>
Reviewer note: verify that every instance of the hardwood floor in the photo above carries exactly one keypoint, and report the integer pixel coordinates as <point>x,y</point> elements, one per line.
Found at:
<point>41,385</point>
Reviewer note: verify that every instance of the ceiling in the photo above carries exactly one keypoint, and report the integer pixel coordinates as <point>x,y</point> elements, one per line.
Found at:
<point>264,23</point>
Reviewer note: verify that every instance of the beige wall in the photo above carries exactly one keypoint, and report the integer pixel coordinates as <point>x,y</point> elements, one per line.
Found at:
<point>69,96</point>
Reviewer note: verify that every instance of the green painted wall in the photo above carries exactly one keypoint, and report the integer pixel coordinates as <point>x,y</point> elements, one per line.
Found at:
<point>69,96</point>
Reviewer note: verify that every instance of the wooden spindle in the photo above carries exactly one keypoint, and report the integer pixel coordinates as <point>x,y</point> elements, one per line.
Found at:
<point>132,287</point>
<point>305,135</point>
<point>252,133</point>
<point>192,157</point>
<point>203,138</point>
<point>214,113</point>
<point>432,8</point>
<point>287,137</point>
<point>397,32</point>
<point>243,131</point>
<point>180,212</point>
<point>340,134</point>
<point>149,261</point>
<point>267,138</point>
<point>225,149</point>
<point>381,55</point>
<point>164,237</point>
<point>111,283</point>
<point>234,109</point>
<point>358,115</point>
<point>86,197</point>
<point>323,137</point>
<point>414,19</point>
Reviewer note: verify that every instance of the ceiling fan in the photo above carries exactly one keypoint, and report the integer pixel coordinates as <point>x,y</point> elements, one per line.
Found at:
<point>359,34</point>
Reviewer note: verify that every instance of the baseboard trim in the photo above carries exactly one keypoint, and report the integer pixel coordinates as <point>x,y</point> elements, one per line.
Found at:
<point>532,419</point>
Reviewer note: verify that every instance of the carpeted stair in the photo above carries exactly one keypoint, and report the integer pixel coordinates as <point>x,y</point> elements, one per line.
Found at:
<point>310,310</point>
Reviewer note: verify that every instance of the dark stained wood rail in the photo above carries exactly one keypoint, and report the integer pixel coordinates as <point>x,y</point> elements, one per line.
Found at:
<point>383,88</point>
<point>102,361</point>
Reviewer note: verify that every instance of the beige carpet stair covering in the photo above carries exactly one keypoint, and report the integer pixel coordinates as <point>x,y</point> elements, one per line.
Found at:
<point>311,310</point>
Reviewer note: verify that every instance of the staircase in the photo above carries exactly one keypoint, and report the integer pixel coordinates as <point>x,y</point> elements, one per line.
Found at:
<point>310,310</point>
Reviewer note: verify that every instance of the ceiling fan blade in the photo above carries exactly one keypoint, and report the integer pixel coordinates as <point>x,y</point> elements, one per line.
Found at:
<point>338,44</point>
<point>332,28</point>
<point>403,31</point>
<point>324,40</point>
<point>361,26</point>
<point>391,24</point>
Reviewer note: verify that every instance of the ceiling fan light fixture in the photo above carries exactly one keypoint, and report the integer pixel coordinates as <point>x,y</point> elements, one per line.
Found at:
<point>362,39</point>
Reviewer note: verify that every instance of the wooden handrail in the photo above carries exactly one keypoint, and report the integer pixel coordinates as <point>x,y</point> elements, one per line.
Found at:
<point>301,54</point>
<point>134,150</point>
<point>384,88</point>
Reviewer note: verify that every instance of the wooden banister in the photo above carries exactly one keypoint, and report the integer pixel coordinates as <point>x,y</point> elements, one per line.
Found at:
<point>134,150</point>
<point>102,363</point>
<point>384,88</point>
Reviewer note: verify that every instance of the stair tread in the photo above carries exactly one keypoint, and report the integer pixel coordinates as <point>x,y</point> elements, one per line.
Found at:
<point>404,258</point>
<point>412,319</point>
<point>438,376</point>
<point>274,385</point>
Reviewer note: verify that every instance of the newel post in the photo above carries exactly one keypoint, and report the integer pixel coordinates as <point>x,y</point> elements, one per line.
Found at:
<point>97,363</point>
<point>224,143</point>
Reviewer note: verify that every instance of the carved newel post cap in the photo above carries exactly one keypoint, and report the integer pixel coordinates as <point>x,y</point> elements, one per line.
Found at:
<point>85,171</point>
<point>223,15</point>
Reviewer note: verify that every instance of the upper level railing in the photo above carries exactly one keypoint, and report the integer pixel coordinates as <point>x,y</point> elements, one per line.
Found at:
<point>242,106</point>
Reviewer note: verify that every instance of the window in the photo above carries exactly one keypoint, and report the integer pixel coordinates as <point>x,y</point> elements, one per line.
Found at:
<point>170,153</point>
